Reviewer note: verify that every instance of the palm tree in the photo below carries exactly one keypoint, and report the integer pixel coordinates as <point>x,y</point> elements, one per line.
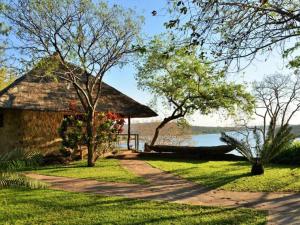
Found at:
<point>262,153</point>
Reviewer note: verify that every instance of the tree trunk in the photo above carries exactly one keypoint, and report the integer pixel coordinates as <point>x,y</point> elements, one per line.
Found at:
<point>157,130</point>
<point>257,168</point>
<point>90,137</point>
<point>163,123</point>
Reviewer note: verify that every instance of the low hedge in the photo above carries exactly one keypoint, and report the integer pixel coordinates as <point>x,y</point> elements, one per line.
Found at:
<point>290,156</point>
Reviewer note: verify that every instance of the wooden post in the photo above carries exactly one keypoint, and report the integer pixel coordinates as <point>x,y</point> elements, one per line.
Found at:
<point>128,138</point>
<point>138,141</point>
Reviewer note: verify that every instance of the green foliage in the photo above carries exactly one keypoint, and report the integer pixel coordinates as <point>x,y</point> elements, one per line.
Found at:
<point>18,159</point>
<point>13,161</point>
<point>242,146</point>
<point>185,84</point>
<point>233,176</point>
<point>6,78</point>
<point>107,126</point>
<point>93,36</point>
<point>295,62</point>
<point>37,207</point>
<point>276,104</point>
<point>71,132</point>
<point>4,31</point>
<point>18,180</point>
<point>235,31</point>
<point>178,78</point>
<point>290,156</point>
<point>262,151</point>
<point>274,146</point>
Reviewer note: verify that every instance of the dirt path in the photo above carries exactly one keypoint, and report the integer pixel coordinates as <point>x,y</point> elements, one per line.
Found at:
<point>284,208</point>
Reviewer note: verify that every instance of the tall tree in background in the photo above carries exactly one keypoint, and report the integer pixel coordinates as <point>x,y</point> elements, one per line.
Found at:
<point>94,37</point>
<point>277,102</point>
<point>6,75</point>
<point>231,30</point>
<point>186,85</point>
<point>3,33</point>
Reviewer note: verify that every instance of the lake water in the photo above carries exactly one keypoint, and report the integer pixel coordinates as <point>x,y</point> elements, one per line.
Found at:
<point>206,140</point>
<point>197,140</point>
<point>194,140</point>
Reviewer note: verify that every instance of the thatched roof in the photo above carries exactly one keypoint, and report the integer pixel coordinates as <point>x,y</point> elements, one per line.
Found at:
<point>37,90</point>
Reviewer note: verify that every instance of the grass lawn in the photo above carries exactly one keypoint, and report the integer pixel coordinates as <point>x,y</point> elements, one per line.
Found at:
<point>104,170</point>
<point>234,176</point>
<point>36,207</point>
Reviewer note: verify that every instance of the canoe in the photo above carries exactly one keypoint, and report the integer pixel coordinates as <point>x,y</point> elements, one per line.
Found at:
<point>190,150</point>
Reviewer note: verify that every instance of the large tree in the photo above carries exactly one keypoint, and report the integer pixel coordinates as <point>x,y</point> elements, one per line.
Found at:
<point>231,30</point>
<point>277,101</point>
<point>92,36</point>
<point>180,81</point>
<point>5,74</point>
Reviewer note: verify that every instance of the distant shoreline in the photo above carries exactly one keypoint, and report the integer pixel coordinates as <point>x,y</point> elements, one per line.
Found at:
<point>146,129</point>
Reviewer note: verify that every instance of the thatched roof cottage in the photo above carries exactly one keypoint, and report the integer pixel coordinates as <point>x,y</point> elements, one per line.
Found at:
<point>32,108</point>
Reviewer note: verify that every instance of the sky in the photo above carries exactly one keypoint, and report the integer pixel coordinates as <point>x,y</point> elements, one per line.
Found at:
<point>123,78</point>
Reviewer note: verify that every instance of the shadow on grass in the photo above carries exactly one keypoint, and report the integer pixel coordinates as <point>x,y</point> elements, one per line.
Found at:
<point>216,176</point>
<point>73,165</point>
<point>92,209</point>
<point>212,180</point>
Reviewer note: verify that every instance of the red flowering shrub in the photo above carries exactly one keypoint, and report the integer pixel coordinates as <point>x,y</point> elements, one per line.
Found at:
<point>73,105</point>
<point>107,126</point>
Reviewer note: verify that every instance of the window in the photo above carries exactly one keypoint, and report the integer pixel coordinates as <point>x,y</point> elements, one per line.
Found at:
<point>1,119</point>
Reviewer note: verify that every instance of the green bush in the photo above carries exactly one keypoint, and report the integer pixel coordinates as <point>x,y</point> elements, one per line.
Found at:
<point>19,159</point>
<point>289,156</point>
<point>13,161</point>
<point>15,179</point>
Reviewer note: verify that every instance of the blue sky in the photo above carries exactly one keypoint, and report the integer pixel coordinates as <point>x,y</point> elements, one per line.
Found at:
<point>123,79</point>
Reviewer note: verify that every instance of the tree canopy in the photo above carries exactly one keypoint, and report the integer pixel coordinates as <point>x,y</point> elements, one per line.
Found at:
<point>180,80</point>
<point>92,36</point>
<point>229,31</point>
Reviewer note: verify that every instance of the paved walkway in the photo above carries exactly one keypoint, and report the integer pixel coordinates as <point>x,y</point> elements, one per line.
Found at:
<point>284,208</point>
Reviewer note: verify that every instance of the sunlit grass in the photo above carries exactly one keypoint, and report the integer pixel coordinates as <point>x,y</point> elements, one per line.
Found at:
<point>104,170</point>
<point>36,207</point>
<point>234,176</point>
